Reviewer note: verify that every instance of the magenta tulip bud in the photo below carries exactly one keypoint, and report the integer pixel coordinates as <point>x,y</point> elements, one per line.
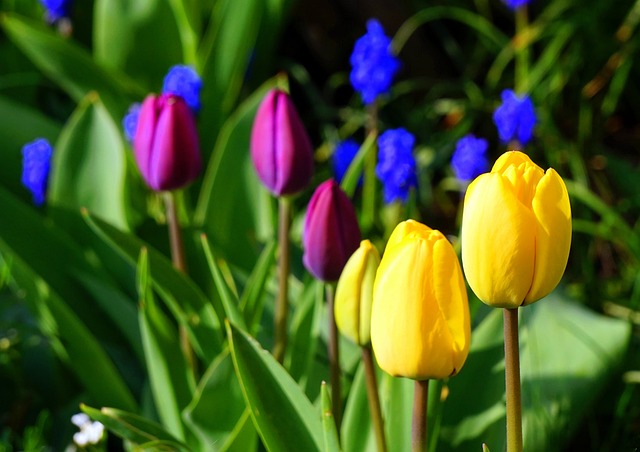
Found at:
<point>331,232</point>
<point>280,146</point>
<point>166,143</point>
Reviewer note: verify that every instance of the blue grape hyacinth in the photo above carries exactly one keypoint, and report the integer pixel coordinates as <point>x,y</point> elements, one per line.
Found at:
<point>343,155</point>
<point>185,82</point>
<point>396,166</point>
<point>515,118</point>
<point>515,4</point>
<point>36,163</point>
<point>130,121</point>
<point>56,9</point>
<point>470,158</point>
<point>373,64</point>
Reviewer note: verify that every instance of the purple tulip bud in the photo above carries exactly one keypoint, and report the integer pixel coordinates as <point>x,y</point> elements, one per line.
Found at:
<point>280,146</point>
<point>166,143</point>
<point>331,232</point>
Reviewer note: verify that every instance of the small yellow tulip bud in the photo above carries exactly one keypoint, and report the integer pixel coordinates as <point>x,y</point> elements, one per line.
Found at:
<point>420,325</point>
<point>516,232</point>
<point>354,294</point>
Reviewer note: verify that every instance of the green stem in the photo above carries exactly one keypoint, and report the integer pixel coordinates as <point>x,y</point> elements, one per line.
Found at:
<point>522,50</point>
<point>180,264</point>
<point>369,184</point>
<point>512,380</point>
<point>374,399</point>
<point>334,360</point>
<point>419,425</point>
<point>435,406</point>
<point>282,303</point>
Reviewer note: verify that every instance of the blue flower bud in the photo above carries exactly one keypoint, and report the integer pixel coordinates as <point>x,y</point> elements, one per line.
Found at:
<point>56,9</point>
<point>343,155</point>
<point>130,121</point>
<point>36,163</point>
<point>185,82</point>
<point>515,118</point>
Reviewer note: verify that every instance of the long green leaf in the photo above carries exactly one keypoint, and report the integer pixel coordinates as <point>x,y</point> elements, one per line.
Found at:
<point>253,295</point>
<point>331,441</point>
<point>89,164</point>
<point>283,416</point>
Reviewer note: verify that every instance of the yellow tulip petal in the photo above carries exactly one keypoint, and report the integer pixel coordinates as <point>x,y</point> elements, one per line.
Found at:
<point>515,158</point>
<point>398,309</point>
<point>366,291</point>
<point>451,293</point>
<point>498,242</point>
<point>553,234</point>
<point>402,230</point>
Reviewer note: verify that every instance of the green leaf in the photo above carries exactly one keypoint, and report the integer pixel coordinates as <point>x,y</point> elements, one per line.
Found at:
<point>125,38</point>
<point>331,441</point>
<point>354,172</point>
<point>225,56</point>
<point>229,301</point>
<point>167,368</point>
<point>70,65</point>
<point>217,414</point>
<point>283,416</point>
<point>89,164</point>
<point>357,432</point>
<point>253,295</point>
<point>567,354</point>
<point>233,208</point>
<point>185,300</point>
<point>20,125</point>
<point>132,427</point>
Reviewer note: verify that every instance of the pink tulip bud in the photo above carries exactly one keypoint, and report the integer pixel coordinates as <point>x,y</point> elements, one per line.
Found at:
<point>166,143</point>
<point>280,146</point>
<point>331,232</point>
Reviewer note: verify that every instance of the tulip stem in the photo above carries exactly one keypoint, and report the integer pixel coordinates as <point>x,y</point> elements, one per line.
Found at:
<point>334,360</point>
<point>512,380</point>
<point>419,425</point>
<point>282,303</point>
<point>521,48</point>
<point>369,188</point>
<point>374,399</point>
<point>180,264</point>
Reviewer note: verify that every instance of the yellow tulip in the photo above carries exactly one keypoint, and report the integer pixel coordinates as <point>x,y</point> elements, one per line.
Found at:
<point>516,232</point>
<point>354,294</point>
<point>420,324</point>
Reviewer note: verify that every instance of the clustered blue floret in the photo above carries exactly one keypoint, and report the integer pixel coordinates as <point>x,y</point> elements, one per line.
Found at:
<point>130,121</point>
<point>185,82</point>
<point>470,158</point>
<point>396,166</point>
<point>515,118</point>
<point>56,9</point>
<point>343,155</point>
<point>36,163</point>
<point>515,4</point>
<point>373,64</point>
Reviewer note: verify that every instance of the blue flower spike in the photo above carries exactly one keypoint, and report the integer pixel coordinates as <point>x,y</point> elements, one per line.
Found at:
<point>515,4</point>
<point>56,9</point>
<point>396,166</point>
<point>185,82</point>
<point>36,164</point>
<point>470,158</point>
<point>130,121</point>
<point>343,155</point>
<point>515,118</point>
<point>373,64</point>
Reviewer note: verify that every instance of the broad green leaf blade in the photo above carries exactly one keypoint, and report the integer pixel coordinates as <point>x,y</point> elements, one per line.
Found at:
<point>225,57</point>
<point>20,125</point>
<point>70,65</point>
<point>229,301</point>
<point>133,427</point>
<point>233,208</point>
<point>89,164</point>
<point>567,354</point>
<point>217,412</point>
<point>253,295</point>
<point>125,37</point>
<point>186,301</point>
<point>283,416</point>
<point>357,433</point>
<point>331,441</point>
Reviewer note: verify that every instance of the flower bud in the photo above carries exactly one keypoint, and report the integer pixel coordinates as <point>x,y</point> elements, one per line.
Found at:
<point>331,232</point>
<point>166,143</point>
<point>280,146</point>
<point>516,232</point>
<point>354,294</point>
<point>420,325</point>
